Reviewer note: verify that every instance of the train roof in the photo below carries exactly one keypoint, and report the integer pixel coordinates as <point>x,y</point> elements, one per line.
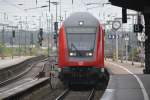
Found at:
<point>85,17</point>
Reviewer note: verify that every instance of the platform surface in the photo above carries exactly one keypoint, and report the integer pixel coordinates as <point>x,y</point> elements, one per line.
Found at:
<point>19,86</point>
<point>9,61</point>
<point>127,82</point>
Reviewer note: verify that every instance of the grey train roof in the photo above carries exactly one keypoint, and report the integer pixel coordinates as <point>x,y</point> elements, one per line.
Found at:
<point>87,18</point>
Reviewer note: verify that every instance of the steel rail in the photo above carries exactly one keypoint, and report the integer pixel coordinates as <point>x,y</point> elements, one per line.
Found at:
<point>62,95</point>
<point>16,77</point>
<point>41,73</point>
<point>90,97</point>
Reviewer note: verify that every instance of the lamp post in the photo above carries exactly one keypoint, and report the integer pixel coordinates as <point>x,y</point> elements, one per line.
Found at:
<point>20,36</point>
<point>60,12</point>
<point>126,40</point>
<point>56,22</point>
<point>56,26</point>
<point>121,36</point>
<point>113,37</point>
<point>65,14</point>
<point>132,48</point>
<point>26,36</point>
<point>25,23</point>
<point>56,4</point>
<point>48,26</point>
<point>116,25</point>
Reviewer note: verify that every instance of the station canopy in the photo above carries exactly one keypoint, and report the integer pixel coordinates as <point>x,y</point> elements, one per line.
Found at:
<point>138,5</point>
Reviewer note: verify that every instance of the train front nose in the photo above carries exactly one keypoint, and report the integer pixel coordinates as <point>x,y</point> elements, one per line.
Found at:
<point>80,57</point>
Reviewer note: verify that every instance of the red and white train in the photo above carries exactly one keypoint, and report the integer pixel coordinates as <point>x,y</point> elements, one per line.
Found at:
<point>81,49</point>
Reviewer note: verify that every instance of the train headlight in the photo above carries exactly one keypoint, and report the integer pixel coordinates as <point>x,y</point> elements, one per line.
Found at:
<point>72,54</point>
<point>59,69</point>
<point>89,54</point>
<point>81,23</point>
<point>102,70</point>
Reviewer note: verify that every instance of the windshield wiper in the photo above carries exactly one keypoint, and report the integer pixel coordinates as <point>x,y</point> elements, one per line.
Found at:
<point>72,45</point>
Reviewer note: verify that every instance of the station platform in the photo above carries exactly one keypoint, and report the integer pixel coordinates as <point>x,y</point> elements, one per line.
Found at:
<point>126,82</point>
<point>20,87</point>
<point>8,61</point>
<point>137,68</point>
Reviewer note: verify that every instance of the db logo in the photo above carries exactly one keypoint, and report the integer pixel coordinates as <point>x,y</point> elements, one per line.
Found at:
<point>80,63</point>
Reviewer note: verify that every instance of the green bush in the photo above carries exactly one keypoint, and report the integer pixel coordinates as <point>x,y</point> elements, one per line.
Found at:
<point>16,51</point>
<point>1,50</point>
<point>135,55</point>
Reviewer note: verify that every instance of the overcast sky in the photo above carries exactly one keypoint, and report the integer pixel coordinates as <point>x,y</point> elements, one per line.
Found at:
<point>11,8</point>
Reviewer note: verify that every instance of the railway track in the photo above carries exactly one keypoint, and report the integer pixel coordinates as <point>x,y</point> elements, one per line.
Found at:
<point>24,67</point>
<point>91,95</point>
<point>26,83</point>
<point>29,89</point>
<point>32,88</point>
<point>63,94</point>
<point>76,95</point>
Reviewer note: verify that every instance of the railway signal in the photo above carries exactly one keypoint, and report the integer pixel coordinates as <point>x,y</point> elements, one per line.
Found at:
<point>13,33</point>
<point>116,26</point>
<point>124,15</point>
<point>55,28</point>
<point>40,36</point>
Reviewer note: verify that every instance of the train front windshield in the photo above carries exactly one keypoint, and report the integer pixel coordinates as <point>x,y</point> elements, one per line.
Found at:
<point>81,44</point>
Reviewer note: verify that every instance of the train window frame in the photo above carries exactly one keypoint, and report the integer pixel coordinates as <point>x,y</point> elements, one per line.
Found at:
<point>94,45</point>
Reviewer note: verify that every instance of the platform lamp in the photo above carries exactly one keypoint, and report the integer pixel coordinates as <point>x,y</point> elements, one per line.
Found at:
<point>126,39</point>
